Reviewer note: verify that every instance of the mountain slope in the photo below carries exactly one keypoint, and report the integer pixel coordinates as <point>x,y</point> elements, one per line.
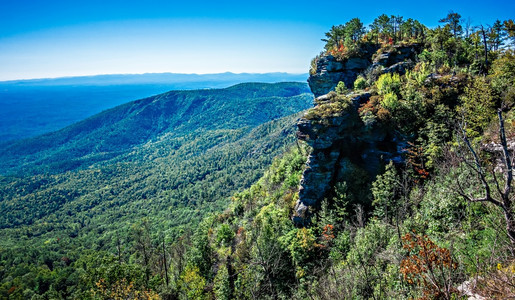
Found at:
<point>34,107</point>
<point>116,131</point>
<point>161,163</point>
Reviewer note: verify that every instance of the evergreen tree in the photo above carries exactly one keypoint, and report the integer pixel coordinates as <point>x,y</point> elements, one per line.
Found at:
<point>452,23</point>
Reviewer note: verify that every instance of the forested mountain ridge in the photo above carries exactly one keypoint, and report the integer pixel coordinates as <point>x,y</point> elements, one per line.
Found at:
<point>38,106</point>
<point>115,131</point>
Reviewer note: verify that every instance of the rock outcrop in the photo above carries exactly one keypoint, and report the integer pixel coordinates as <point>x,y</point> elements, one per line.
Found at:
<point>330,71</point>
<point>340,140</point>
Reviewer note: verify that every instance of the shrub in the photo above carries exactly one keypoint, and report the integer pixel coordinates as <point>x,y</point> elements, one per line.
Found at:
<point>224,234</point>
<point>336,106</point>
<point>477,106</point>
<point>390,101</point>
<point>360,83</point>
<point>388,83</point>
<point>341,88</point>
<point>428,266</point>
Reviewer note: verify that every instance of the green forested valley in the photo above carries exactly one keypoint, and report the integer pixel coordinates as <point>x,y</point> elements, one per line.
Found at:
<point>150,169</point>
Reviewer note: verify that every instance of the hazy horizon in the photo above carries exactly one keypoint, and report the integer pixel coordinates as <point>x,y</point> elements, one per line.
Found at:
<point>147,73</point>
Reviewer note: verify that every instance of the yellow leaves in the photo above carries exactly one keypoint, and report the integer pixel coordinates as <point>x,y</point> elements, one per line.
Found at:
<point>390,101</point>
<point>121,290</point>
<point>300,272</point>
<point>388,83</point>
<point>306,239</point>
<point>499,283</point>
<point>192,283</point>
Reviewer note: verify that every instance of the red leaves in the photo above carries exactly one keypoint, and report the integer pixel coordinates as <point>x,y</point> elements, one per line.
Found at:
<point>416,157</point>
<point>427,265</point>
<point>327,234</point>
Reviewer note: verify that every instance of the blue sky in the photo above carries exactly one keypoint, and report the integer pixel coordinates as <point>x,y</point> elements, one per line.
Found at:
<point>53,38</point>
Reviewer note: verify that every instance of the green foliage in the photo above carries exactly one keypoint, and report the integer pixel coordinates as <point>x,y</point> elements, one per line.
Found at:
<point>390,101</point>
<point>341,89</point>
<point>360,83</point>
<point>336,106</point>
<point>221,284</point>
<point>388,83</point>
<point>477,106</point>
<point>343,40</point>
<point>173,181</point>
<point>420,74</point>
<point>302,246</point>
<point>369,269</point>
<point>453,23</point>
<point>224,235</point>
<point>384,192</point>
<point>502,76</point>
<point>192,284</point>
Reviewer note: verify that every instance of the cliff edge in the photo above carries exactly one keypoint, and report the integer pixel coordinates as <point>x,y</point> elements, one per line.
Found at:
<point>345,149</point>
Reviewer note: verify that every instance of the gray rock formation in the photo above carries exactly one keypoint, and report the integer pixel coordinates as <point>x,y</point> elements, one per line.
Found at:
<point>330,71</point>
<point>337,142</point>
<point>341,141</point>
<point>396,54</point>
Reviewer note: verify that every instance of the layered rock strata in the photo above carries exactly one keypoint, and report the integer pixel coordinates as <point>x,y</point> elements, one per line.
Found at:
<point>340,140</point>
<point>330,71</point>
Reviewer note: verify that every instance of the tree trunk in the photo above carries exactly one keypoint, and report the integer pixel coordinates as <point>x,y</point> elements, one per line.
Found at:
<point>485,46</point>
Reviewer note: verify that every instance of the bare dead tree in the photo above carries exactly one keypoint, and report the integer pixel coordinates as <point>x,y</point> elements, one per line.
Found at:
<point>485,45</point>
<point>499,195</point>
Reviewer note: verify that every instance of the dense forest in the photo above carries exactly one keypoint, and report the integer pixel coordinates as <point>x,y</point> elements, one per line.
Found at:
<point>80,194</point>
<point>434,222</point>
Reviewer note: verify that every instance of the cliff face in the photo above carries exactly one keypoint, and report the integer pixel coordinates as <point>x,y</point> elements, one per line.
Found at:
<point>341,142</point>
<point>330,71</point>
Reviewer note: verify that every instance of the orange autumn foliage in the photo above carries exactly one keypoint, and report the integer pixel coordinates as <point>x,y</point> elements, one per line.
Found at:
<point>428,266</point>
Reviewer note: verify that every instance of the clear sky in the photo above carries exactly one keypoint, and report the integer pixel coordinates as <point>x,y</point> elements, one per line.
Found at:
<point>55,38</point>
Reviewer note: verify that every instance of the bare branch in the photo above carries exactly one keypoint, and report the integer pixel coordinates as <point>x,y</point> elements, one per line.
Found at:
<point>497,186</point>
<point>506,153</point>
<point>478,166</point>
<point>485,199</point>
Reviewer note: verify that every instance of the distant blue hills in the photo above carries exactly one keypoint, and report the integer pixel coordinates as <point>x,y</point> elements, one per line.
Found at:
<point>187,81</point>
<point>36,106</point>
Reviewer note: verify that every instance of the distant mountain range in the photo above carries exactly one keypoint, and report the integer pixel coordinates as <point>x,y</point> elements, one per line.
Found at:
<point>187,81</point>
<point>36,106</point>
<point>116,131</point>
